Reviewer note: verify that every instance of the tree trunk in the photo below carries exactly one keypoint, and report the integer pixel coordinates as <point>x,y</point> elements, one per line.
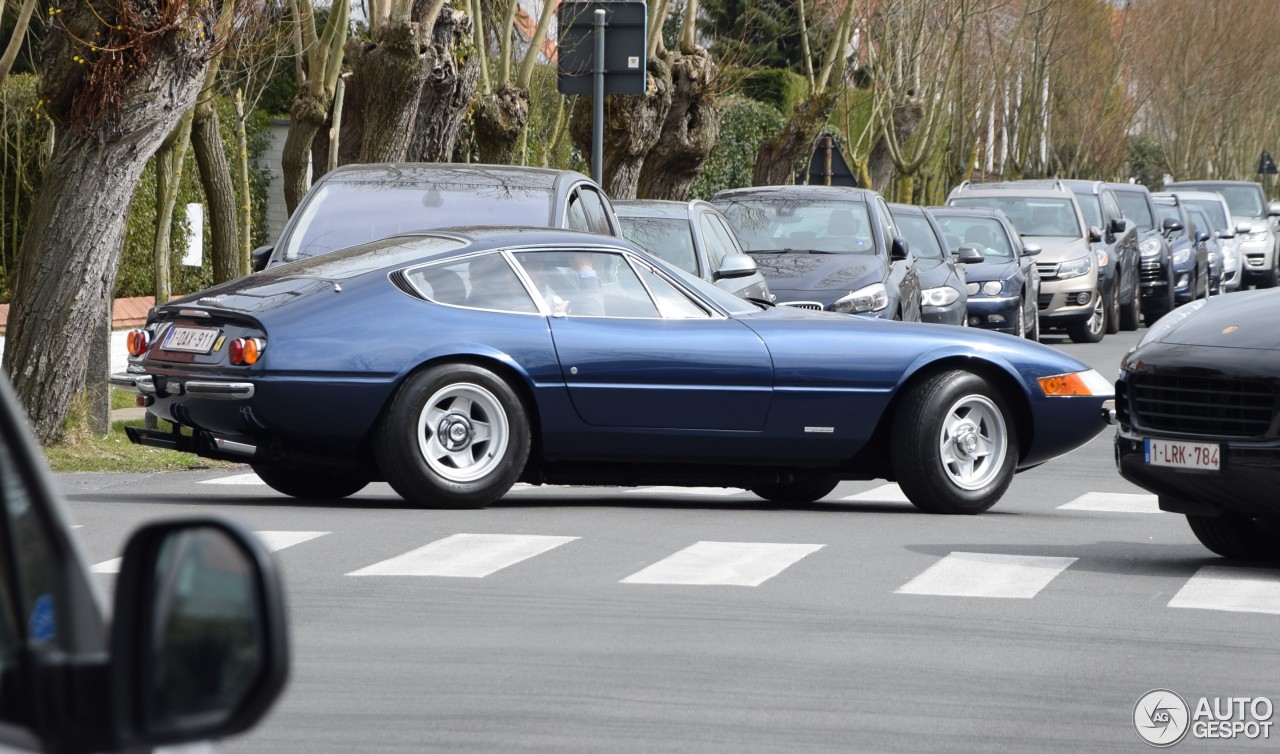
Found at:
<point>98,369</point>
<point>779,159</point>
<point>907,117</point>
<point>498,120</point>
<point>307,115</point>
<point>448,91</point>
<point>245,223</point>
<point>215,177</point>
<point>632,126</point>
<point>398,60</point>
<point>689,133</point>
<point>170,159</point>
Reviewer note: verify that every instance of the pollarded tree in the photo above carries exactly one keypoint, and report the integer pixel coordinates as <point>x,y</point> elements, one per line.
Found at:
<point>115,78</point>
<point>501,112</point>
<point>318,66</point>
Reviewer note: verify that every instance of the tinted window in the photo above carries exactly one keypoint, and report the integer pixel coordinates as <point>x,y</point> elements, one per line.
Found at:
<point>1213,211</point>
<point>576,214</point>
<point>1032,216</point>
<point>985,234</point>
<point>480,282</point>
<point>597,217</point>
<point>726,236</point>
<point>777,222</point>
<point>339,215</point>
<point>1198,219</point>
<point>712,241</point>
<point>1134,206</point>
<point>587,284</point>
<point>664,237</point>
<point>919,233</point>
<point>1109,207</point>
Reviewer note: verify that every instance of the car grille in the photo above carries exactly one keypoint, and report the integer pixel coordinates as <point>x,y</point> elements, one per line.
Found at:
<point>814,305</point>
<point>1151,271</point>
<point>1048,270</point>
<point>1044,300</point>
<point>1201,405</point>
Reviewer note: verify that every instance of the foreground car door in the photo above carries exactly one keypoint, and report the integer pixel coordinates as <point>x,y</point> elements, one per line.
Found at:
<point>637,351</point>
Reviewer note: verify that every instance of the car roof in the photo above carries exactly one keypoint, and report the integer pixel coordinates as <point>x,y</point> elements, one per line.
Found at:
<point>1211,196</point>
<point>653,208</point>
<point>1125,186</point>
<point>449,172</point>
<point>968,211</point>
<point>1177,184</point>
<point>1166,197</point>
<point>908,209</point>
<point>847,193</point>
<point>1031,189</point>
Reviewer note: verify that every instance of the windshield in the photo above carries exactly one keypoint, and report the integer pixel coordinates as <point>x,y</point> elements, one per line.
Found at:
<point>919,233</point>
<point>780,222</point>
<point>1091,208</point>
<point>1134,206</point>
<point>1032,216</point>
<point>1243,201</point>
<point>1213,211</point>
<point>339,215</point>
<point>983,233</point>
<point>664,237</point>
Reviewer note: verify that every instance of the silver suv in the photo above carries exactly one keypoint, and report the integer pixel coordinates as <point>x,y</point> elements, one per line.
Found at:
<point>1049,217</point>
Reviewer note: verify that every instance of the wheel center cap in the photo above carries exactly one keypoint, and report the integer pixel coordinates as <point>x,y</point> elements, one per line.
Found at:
<point>967,441</point>
<point>455,432</point>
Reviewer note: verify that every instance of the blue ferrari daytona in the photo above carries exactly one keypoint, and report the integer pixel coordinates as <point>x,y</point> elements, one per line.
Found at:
<point>454,363</point>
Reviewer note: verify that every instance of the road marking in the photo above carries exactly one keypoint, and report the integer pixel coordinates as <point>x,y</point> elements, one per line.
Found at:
<point>717,491</point>
<point>465,555</point>
<point>1231,588</point>
<point>274,540</point>
<point>1113,502</point>
<point>885,493</point>
<point>237,479</point>
<point>723,564</point>
<point>978,574</point>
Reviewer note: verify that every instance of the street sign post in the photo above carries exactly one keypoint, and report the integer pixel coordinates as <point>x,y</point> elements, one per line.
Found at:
<point>601,49</point>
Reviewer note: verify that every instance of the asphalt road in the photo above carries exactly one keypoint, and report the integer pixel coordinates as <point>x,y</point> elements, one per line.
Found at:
<point>614,620</point>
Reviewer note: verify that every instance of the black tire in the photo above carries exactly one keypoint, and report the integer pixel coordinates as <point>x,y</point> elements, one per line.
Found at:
<point>1034,332</point>
<point>1093,328</point>
<point>1233,535</point>
<point>1113,313</point>
<point>929,458</point>
<point>310,484</point>
<point>805,490</point>
<point>1270,280</point>
<point>1131,313</point>
<point>459,402</point>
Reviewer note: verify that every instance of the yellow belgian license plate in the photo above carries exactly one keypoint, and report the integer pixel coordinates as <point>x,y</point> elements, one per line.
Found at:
<point>190,339</point>
<point>1198,456</point>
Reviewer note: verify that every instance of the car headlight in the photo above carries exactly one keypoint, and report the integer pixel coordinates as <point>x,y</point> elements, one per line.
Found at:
<point>1104,259</point>
<point>992,288</point>
<point>972,288</point>
<point>1074,268</point>
<point>1150,247</point>
<point>1088,382</point>
<point>943,296</point>
<point>1257,235</point>
<point>1169,321</point>
<point>873,298</point>
<point>1181,256</point>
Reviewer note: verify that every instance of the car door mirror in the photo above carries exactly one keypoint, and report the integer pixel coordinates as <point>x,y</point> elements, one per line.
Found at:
<point>1119,225</point>
<point>735,266</point>
<point>199,638</point>
<point>1030,249</point>
<point>1095,233</point>
<point>1273,209</point>
<point>1226,234</point>
<point>969,255</point>
<point>1202,236</point>
<point>1171,225</point>
<point>1244,228</point>
<point>259,257</point>
<point>899,249</point>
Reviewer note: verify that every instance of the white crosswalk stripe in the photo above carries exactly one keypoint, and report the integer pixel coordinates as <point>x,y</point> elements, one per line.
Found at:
<point>238,479</point>
<point>465,555</point>
<point>274,540</point>
<point>1231,588</point>
<point>724,564</point>
<point>1113,502</point>
<point>976,574</point>
<point>885,493</point>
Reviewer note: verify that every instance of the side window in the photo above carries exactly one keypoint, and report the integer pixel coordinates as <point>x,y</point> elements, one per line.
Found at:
<point>671,302</point>
<point>712,241</point>
<point>587,284</point>
<point>597,216</point>
<point>485,281</point>
<point>1110,208</point>
<point>731,243</point>
<point>886,221</point>
<point>576,214</point>
<point>30,595</point>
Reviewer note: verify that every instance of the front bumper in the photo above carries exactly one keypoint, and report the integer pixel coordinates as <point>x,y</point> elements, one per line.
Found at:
<point>1246,482</point>
<point>951,314</point>
<point>1257,257</point>
<point>998,313</point>
<point>1065,301</point>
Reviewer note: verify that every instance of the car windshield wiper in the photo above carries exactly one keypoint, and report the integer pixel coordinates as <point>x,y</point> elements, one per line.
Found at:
<point>763,303</point>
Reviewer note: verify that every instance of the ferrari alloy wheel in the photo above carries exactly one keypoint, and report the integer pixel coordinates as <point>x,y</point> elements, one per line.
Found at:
<point>953,444</point>
<point>310,484</point>
<point>1092,329</point>
<point>806,490</point>
<point>1234,535</point>
<point>455,436</point>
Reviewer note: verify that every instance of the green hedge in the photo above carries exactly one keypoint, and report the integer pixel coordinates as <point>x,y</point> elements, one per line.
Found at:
<point>779,88</point>
<point>744,123</point>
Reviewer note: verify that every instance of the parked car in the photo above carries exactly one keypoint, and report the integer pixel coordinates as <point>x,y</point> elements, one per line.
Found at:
<point>695,237</point>
<point>1260,243</point>
<point>1190,257</point>
<point>944,297</point>
<point>1218,216</point>
<point>1004,289</point>
<point>1198,404</point>
<point>1156,273</point>
<point>827,247</point>
<point>197,646</point>
<point>1212,246</point>
<point>1070,284</point>
<point>453,363</point>
<point>355,204</point>
<point>1115,240</point>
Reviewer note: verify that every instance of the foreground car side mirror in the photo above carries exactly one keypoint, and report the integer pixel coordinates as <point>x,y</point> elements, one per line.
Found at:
<point>1244,228</point>
<point>969,255</point>
<point>899,249</point>
<point>1095,234</point>
<point>200,646</point>
<point>259,257</point>
<point>1171,225</point>
<point>1118,225</point>
<point>1030,249</point>
<point>735,266</point>
<point>1273,209</point>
